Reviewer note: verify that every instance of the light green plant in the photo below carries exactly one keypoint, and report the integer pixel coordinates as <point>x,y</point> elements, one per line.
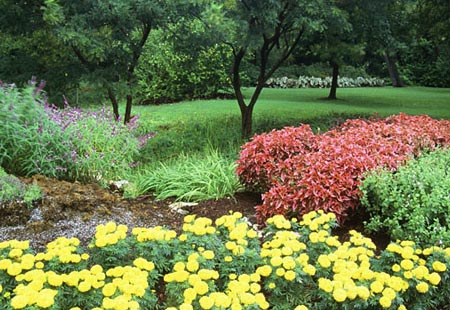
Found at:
<point>12,189</point>
<point>413,202</point>
<point>189,178</point>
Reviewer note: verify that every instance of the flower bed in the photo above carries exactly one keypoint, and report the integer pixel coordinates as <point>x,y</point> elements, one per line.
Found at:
<point>224,265</point>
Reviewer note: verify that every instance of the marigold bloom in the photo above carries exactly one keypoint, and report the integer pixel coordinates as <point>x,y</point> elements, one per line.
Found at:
<point>385,301</point>
<point>439,266</point>
<point>19,301</point>
<point>407,264</point>
<point>206,302</point>
<point>422,287</point>
<point>376,286</point>
<point>309,269</point>
<point>340,295</point>
<point>323,261</point>
<point>434,278</point>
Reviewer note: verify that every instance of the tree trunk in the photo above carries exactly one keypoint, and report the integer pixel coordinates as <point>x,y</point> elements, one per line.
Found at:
<point>247,121</point>
<point>391,61</point>
<point>114,103</point>
<point>334,82</point>
<point>128,109</point>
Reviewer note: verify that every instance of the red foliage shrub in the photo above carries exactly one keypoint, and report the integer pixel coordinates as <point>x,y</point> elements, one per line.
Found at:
<point>301,172</point>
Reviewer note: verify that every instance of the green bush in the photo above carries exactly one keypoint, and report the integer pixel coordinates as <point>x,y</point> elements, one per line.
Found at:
<point>12,189</point>
<point>189,178</point>
<point>31,142</point>
<point>412,203</point>
<point>172,70</point>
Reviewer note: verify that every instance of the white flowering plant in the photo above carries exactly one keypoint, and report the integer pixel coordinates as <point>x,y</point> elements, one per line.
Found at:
<point>226,264</point>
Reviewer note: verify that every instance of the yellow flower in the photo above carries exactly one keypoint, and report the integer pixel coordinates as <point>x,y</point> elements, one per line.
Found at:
<point>301,307</point>
<point>276,261</point>
<point>376,286</point>
<point>323,261</point>
<point>201,287</point>
<point>208,254</point>
<point>189,295</point>
<point>108,290</point>
<point>192,265</point>
<point>272,285</point>
<point>255,288</point>
<point>46,298</point>
<point>363,292</point>
<point>439,266</point>
<point>407,264</point>
<point>84,286</point>
<point>396,268</point>
<point>309,269</point>
<point>280,272</point>
<point>340,295</point>
<point>422,287</point>
<point>264,271</point>
<point>288,262</point>
<point>19,301</point>
<point>186,306</point>
<point>14,269</point>
<point>289,275</point>
<point>401,307</point>
<point>206,302</point>
<point>325,285</point>
<point>385,301</point>
<point>434,278</point>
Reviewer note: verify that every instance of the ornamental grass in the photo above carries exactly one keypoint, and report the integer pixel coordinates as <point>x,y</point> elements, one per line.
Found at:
<point>226,264</point>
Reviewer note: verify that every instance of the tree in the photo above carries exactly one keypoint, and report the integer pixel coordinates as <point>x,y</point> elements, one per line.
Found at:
<point>28,48</point>
<point>337,44</point>
<point>107,38</point>
<point>429,55</point>
<point>385,28</point>
<point>266,32</point>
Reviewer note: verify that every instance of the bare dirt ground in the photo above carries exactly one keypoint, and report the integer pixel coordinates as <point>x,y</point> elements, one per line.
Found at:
<point>74,210</point>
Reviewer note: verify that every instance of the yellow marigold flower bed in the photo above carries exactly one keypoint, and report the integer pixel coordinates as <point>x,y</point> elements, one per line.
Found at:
<point>225,264</point>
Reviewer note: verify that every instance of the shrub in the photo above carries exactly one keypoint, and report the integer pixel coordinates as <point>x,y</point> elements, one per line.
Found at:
<point>317,82</point>
<point>67,143</point>
<point>413,202</point>
<point>300,172</point>
<point>224,265</point>
<point>12,189</point>
<point>31,142</point>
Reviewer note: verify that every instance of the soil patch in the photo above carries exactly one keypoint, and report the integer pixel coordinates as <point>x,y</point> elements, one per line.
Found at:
<point>74,210</point>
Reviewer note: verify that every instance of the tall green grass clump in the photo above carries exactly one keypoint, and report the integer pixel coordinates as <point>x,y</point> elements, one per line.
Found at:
<point>67,143</point>
<point>194,178</point>
<point>412,203</point>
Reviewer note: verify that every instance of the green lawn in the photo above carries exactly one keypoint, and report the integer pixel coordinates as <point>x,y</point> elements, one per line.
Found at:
<point>190,126</point>
<point>307,103</point>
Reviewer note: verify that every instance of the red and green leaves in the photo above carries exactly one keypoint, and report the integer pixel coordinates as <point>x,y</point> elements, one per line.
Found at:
<point>300,172</point>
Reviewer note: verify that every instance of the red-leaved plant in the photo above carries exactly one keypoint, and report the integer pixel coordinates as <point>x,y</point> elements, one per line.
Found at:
<point>299,172</point>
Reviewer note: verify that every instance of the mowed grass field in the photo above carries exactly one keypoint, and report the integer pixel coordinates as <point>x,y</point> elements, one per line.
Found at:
<point>309,103</point>
<point>190,126</point>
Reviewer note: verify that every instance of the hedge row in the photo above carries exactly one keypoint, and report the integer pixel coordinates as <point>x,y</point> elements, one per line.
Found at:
<point>317,82</point>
